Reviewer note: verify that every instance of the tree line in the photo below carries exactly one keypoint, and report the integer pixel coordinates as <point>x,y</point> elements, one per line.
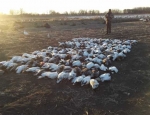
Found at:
<point>138,10</point>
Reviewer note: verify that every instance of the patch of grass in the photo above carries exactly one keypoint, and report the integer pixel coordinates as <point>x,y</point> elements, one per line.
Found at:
<point>3,56</point>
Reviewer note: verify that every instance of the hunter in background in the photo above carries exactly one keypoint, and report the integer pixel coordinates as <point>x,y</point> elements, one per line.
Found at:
<point>108,18</point>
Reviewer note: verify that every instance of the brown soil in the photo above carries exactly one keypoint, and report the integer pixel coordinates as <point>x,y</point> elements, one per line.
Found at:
<point>127,94</point>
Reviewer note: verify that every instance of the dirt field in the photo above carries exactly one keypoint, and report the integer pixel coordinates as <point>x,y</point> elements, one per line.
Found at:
<point>23,94</point>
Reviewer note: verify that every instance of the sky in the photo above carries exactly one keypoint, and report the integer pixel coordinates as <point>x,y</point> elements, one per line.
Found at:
<point>44,6</point>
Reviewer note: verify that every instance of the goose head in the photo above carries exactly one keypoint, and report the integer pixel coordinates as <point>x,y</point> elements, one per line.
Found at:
<point>94,83</point>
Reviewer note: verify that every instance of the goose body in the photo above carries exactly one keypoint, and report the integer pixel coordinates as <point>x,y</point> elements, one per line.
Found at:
<point>77,79</point>
<point>103,67</point>
<point>126,50</point>
<point>11,66</point>
<point>16,59</point>
<point>94,83</point>
<point>33,69</point>
<point>76,63</point>
<point>51,75</point>
<point>105,77</point>
<point>90,65</point>
<point>72,75</point>
<point>113,69</point>
<point>85,80</point>
<point>21,68</point>
<point>62,75</point>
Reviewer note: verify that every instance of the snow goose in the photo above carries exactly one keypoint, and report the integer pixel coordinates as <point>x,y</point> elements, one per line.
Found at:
<point>121,55</point>
<point>45,65</point>
<point>62,56</point>
<point>51,75</point>
<point>97,66</point>
<point>85,53</point>
<point>94,83</point>
<point>85,80</point>
<point>113,69</point>
<point>97,60</point>
<point>16,58</point>
<point>76,63</point>
<point>105,77</point>
<point>77,79</point>
<point>25,60</point>
<point>129,46</point>
<point>33,69</point>
<point>11,66</point>
<point>101,56</point>
<point>103,68</point>
<point>126,50</point>
<point>115,56</point>
<point>62,75</point>
<point>72,74</point>
<point>53,67</point>
<point>90,65</point>
<point>133,41</point>
<point>21,68</point>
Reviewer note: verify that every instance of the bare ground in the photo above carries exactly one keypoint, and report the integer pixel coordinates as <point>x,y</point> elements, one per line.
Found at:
<point>127,94</point>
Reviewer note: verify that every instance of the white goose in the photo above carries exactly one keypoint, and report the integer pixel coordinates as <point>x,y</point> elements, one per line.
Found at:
<point>53,67</point>
<point>11,66</point>
<point>105,77</point>
<point>113,69</point>
<point>126,50</point>
<point>16,59</point>
<point>21,68</point>
<point>72,75</point>
<point>90,65</point>
<point>85,80</point>
<point>33,69</point>
<point>94,83</point>
<point>76,63</point>
<point>103,68</point>
<point>62,75</point>
<point>51,75</point>
<point>77,79</point>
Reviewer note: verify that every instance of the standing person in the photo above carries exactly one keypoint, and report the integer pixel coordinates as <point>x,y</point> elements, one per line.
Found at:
<point>108,17</point>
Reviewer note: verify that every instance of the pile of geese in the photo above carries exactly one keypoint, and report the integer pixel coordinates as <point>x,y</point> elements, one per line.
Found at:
<point>81,61</point>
